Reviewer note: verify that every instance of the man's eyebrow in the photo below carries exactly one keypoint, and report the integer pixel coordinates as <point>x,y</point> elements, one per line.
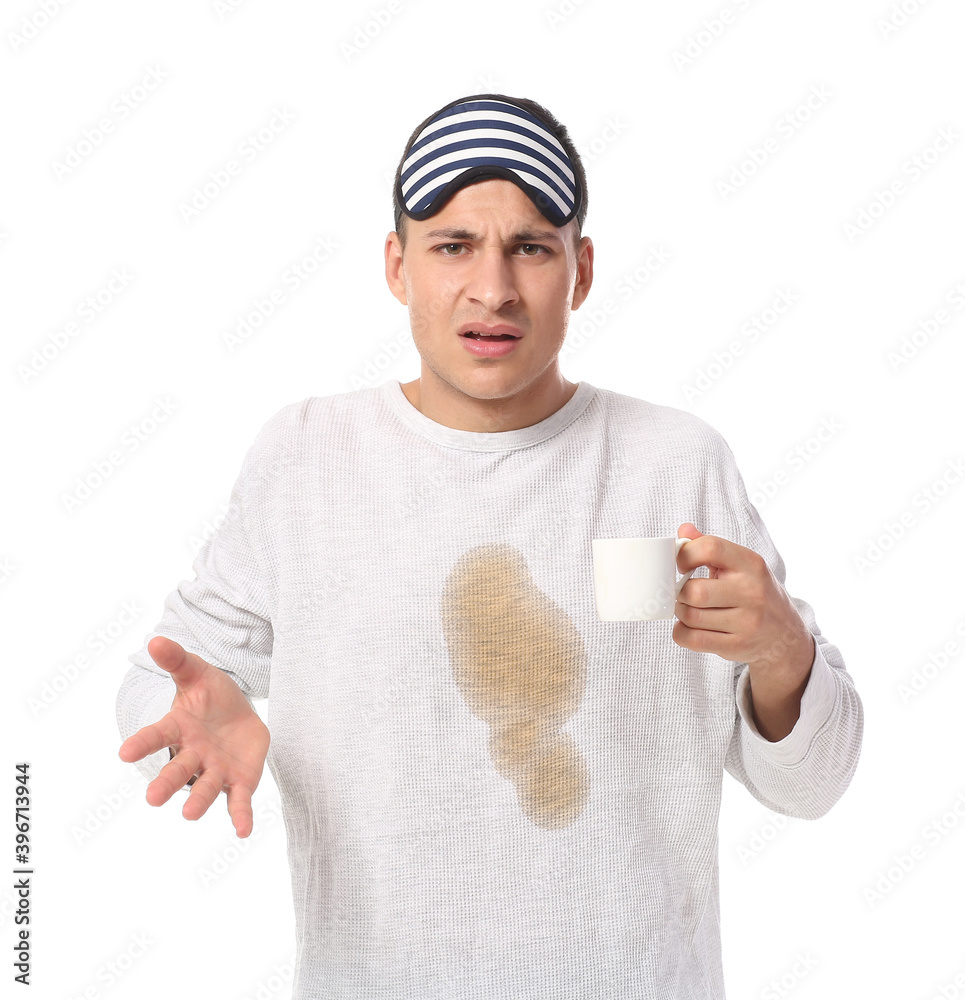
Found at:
<point>522,236</point>
<point>449,234</point>
<point>536,236</point>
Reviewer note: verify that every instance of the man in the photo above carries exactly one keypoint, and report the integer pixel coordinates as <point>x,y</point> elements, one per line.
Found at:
<point>489,792</point>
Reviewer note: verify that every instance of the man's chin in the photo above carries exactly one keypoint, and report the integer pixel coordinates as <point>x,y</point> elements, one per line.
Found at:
<point>492,385</point>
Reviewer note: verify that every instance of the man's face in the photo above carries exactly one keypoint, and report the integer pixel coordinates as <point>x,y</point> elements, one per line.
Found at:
<point>488,260</point>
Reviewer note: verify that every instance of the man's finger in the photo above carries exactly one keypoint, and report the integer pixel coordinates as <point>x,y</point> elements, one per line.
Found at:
<point>700,640</point>
<point>150,739</point>
<point>173,775</point>
<point>239,809</point>
<point>700,592</point>
<point>716,553</point>
<point>688,530</point>
<point>203,792</point>
<point>724,620</point>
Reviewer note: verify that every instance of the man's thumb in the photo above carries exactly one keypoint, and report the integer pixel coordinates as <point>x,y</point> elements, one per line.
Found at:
<point>688,530</point>
<point>172,656</point>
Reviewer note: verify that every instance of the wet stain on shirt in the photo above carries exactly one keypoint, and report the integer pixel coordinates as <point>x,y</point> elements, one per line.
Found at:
<point>520,664</point>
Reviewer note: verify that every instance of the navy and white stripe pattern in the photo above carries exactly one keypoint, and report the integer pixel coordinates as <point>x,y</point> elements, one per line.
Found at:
<point>488,137</point>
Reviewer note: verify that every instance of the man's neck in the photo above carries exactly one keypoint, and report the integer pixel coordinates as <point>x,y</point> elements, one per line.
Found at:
<point>467,413</point>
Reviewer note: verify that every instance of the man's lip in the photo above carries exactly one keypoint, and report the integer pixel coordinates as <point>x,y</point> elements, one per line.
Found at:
<point>486,328</point>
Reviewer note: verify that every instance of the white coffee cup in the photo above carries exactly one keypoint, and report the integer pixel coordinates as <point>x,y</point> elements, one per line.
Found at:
<point>636,578</point>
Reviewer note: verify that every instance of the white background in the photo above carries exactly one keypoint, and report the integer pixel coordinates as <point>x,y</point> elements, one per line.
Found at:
<point>811,909</point>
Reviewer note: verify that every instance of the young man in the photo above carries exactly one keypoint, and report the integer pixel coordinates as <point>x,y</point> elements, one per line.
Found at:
<point>489,792</point>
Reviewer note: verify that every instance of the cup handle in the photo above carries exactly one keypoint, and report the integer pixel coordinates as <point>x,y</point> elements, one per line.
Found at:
<point>689,573</point>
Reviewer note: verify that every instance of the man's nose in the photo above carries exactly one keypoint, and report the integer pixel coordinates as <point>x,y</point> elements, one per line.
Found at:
<point>492,281</point>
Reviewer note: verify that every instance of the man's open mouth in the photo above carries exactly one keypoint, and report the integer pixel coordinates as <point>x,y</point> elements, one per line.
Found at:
<point>490,336</point>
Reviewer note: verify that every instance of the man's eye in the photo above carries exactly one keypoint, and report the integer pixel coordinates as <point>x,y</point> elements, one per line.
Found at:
<point>532,247</point>
<point>449,246</point>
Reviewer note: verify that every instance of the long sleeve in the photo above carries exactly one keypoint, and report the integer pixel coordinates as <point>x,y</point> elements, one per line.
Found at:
<point>804,774</point>
<point>222,615</point>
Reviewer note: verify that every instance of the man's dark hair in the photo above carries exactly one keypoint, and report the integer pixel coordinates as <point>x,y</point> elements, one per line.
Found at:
<point>553,126</point>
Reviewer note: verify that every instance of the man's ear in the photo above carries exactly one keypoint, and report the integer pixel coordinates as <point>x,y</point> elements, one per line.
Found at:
<point>584,272</point>
<point>394,269</point>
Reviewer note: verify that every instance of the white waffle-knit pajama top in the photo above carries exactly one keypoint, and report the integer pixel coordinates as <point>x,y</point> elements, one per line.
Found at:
<point>489,793</point>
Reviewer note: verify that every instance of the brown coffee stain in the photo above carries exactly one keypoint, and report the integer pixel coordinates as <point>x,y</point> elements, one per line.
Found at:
<point>520,664</point>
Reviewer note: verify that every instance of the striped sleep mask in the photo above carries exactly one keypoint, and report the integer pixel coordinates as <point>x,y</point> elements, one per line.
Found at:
<point>487,137</point>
